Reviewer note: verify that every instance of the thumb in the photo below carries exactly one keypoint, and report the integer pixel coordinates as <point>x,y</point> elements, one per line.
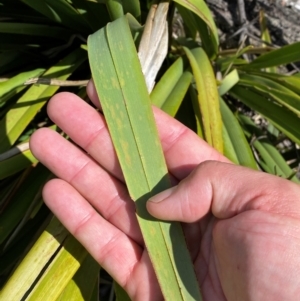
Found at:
<point>225,190</point>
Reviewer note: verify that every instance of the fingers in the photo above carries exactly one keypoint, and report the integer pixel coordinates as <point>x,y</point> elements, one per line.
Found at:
<point>183,149</point>
<point>119,255</point>
<point>86,127</point>
<point>107,195</point>
<point>226,190</point>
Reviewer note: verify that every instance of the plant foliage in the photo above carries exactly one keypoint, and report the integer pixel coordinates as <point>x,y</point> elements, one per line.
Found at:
<point>244,102</point>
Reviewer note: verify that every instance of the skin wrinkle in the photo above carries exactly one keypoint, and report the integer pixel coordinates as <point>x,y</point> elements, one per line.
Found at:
<point>83,222</point>
<point>109,218</point>
<point>191,233</point>
<point>78,172</point>
<point>278,238</point>
<point>212,271</point>
<point>187,208</point>
<point>110,213</point>
<point>134,270</point>
<point>213,284</point>
<point>185,154</point>
<point>191,209</point>
<point>95,116</point>
<point>173,138</point>
<point>135,294</point>
<point>84,227</point>
<point>109,246</point>
<point>274,234</point>
<point>270,201</point>
<point>95,135</point>
<point>111,210</point>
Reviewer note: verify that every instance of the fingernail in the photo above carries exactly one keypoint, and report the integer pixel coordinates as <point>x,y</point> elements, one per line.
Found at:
<point>162,195</point>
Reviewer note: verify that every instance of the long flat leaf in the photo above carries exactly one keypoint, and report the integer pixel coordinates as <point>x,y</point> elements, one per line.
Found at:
<point>167,83</point>
<point>228,82</point>
<point>80,287</point>
<point>36,30</point>
<point>18,244</point>
<point>196,112</point>
<point>208,96</point>
<point>60,272</point>
<point>34,262</point>
<point>94,13</point>
<point>126,104</point>
<point>200,8</point>
<point>16,163</point>
<point>174,100</point>
<point>229,150</point>
<point>22,200</point>
<point>292,82</point>
<point>274,162</point>
<point>196,24</point>
<point>265,35</point>
<point>241,147</point>
<point>285,55</point>
<point>121,295</point>
<point>285,120</point>
<point>60,11</point>
<point>19,116</point>
<point>272,89</point>
<point>17,81</point>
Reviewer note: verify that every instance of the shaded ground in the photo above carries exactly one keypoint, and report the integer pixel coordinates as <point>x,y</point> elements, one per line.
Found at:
<point>283,19</point>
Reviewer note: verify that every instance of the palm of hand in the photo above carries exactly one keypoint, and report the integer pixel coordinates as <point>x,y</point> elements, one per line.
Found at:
<point>102,216</point>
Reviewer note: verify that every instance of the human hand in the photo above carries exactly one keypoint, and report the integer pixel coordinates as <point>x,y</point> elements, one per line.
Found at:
<point>95,207</point>
<point>249,230</point>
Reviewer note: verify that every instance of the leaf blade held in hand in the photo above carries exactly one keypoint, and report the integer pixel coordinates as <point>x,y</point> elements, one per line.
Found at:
<point>125,101</point>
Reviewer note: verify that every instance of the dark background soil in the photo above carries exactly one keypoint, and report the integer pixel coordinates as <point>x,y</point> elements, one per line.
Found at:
<point>283,20</point>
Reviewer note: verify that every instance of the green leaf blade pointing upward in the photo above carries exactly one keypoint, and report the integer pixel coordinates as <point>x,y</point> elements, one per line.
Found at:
<point>126,105</point>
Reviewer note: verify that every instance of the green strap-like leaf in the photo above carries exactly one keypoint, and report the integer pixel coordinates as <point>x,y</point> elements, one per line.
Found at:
<point>36,30</point>
<point>121,295</point>
<point>229,150</point>
<point>195,24</point>
<point>228,82</point>
<point>80,287</point>
<point>22,200</point>
<point>167,83</point>
<point>94,13</point>
<point>118,8</point>
<point>17,81</point>
<point>196,111</point>
<point>208,96</point>
<point>265,35</point>
<point>285,55</point>
<point>34,262</point>
<point>20,114</point>
<point>291,82</point>
<point>174,100</point>
<point>285,120</point>
<point>239,142</point>
<point>126,105</point>
<point>200,8</point>
<point>273,162</point>
<point>16,163</point>
<point>273,90</point>
<point>60,271</point>
<point>60,11</point>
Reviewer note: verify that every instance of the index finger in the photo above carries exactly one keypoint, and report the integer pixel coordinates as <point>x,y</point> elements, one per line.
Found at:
<point>183,149</point>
